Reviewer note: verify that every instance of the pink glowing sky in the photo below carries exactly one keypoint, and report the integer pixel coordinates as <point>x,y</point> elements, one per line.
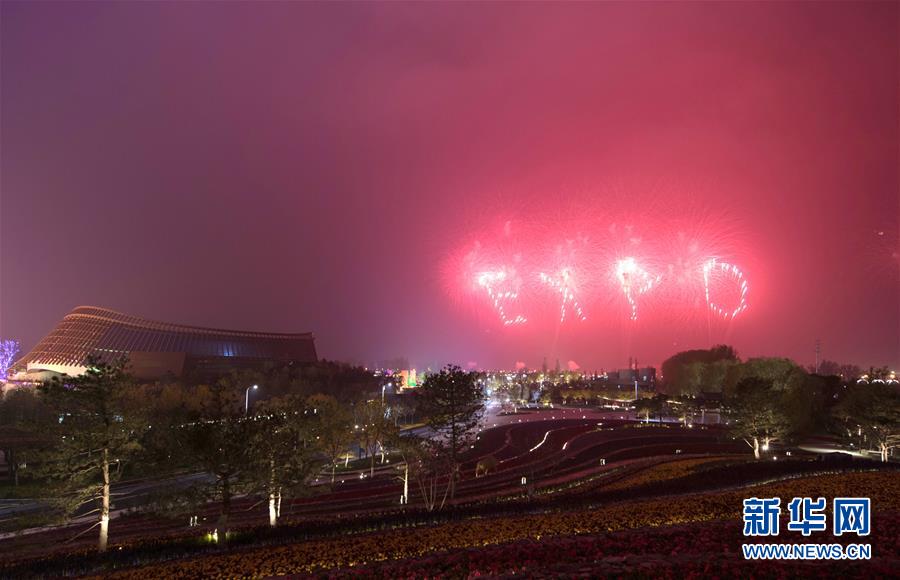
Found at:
<point>307,166</point>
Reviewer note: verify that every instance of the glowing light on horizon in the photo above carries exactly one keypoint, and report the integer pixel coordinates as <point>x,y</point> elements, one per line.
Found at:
<point>635,281</point>
<point>562,283</point>
<point>733,274</point>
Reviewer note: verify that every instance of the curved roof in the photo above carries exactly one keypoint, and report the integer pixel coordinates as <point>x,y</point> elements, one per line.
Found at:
<point>90,330</point>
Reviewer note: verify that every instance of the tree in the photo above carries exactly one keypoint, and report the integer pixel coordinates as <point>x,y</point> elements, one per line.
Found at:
<point>826,368</point>
<point>521,392</point>
<point>24,422</point>
<point>344,382</point>
<point>216,441</point>
<point>96,432</point>
<point>874,410</point>
<point>404,412</point>
<point>8,351</point>
<point>376,429</point>
<point>756,413</point>
<point>333,427</point>
<point>281,451</point>
<point>800,397</point>
<point>715,374</point>
<point>453,403</point>
<point>166,407</point>
<point>830,368</point>
<point>650,406</point>
<point>803,404</point>
<point>644,407</point>
<point>410,449</point>
<point>783,374</point>
<point>691,379</point>
<point>425,462</point>
<point>687,372</point>
<point>850,372</point>
<point>688,406</point>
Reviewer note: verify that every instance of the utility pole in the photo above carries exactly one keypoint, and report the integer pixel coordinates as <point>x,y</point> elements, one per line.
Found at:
<point>633,365</point>
<point>637,376</point>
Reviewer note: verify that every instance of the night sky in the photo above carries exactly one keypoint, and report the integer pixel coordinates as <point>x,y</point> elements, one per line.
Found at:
<point>328,167</point>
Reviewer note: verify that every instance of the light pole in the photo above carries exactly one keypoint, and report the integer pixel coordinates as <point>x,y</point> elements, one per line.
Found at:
<point>247,398</point>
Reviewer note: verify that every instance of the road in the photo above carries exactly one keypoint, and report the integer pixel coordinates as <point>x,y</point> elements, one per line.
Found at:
<point>126,495</point>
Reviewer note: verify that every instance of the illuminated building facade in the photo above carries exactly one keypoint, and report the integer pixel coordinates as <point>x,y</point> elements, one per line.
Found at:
<point>155,349</point>
<point>407,379</point>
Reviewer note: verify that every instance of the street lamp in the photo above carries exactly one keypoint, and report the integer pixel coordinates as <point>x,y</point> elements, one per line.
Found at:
<point>247,398</point>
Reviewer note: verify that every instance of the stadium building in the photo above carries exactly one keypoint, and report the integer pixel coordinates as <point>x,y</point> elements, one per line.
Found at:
<point>155,350</point>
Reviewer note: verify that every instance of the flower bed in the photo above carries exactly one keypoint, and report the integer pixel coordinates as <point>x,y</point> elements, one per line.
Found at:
<point>351,551</point>
<point>663,472</point>
<point>377,497</point>
<point>676,551</point>
<point>148,540</point>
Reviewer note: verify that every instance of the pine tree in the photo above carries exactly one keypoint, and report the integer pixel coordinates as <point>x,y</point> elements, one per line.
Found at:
<point>98,430</point>
<point>453,401</point>
<point>282,451</point>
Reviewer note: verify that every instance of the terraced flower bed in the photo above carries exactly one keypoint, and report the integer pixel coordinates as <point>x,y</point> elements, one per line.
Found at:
<point>352,551</point>
<point>693,550</point>
<point>566,472</point>
<point>379,494</point>
<point>664,471</point>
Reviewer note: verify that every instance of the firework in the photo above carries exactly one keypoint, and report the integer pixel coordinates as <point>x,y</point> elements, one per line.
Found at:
<point>548,271</point>
<point>635,281</point>
<point>716,273</point>
<point>502,287</point>
<point>562,283</point>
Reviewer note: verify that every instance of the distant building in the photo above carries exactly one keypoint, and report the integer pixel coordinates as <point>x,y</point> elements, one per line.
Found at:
<point>155,349</point>
<point>645,376</point>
